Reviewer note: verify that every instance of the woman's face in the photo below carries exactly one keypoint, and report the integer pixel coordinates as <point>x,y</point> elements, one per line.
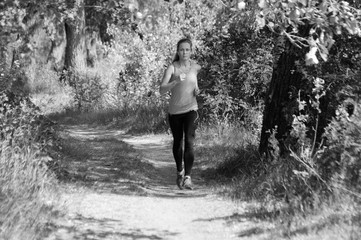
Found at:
<point>184,51</point>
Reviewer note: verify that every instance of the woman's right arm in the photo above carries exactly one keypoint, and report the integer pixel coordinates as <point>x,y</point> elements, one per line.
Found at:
<point>166,85</point>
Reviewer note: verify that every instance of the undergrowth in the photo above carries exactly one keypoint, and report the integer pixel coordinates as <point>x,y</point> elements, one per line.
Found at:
<point>135,120</point>
<point>285,193</point>
<point>315,188</point>
<point>27,186</point>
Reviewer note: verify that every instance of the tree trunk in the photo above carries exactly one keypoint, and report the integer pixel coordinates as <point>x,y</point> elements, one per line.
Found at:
<point>75,50</point>
<point>280,102</point>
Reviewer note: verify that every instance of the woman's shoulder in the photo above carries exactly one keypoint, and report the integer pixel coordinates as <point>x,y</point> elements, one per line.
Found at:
<point>196,65</point>
<point>171,66</point>
<point>175,64</point>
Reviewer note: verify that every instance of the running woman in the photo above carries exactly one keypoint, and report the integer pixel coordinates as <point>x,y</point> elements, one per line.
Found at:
<point>180,78</point>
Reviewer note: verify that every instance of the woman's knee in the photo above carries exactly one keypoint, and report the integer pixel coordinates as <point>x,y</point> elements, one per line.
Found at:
<point>189,143</point>
<point>177,142</point>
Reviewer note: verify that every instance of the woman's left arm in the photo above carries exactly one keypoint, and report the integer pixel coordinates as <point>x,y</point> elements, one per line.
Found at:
<point>196,89</point>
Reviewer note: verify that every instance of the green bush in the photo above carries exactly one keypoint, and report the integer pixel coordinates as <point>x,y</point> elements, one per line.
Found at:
<point>88,89</point>
<point>237,68</point>
<point>141,55</point>
<point>27,191</point>
<point>27,186</point>
<point>341,159</point>
<point>312,172</point>
<point>13,79</point>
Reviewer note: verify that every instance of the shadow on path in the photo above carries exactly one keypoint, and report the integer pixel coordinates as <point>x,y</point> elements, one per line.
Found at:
<point>111,161</point>
<point>124,188</point>
<point>94,228</point>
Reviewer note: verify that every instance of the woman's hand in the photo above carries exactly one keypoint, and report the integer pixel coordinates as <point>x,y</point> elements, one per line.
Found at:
<point>166,83</point>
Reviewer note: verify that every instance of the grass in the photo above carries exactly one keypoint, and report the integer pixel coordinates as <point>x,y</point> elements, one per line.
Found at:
<point>27,194</point>
<point>227,157</point>
<point>28,188</point>
<point>232,166</point>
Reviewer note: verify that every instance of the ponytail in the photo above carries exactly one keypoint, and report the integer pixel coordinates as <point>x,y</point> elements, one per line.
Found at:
<point>176,57</point>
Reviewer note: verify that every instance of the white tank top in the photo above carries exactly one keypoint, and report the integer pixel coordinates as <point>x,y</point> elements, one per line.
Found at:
<point>182,95</point>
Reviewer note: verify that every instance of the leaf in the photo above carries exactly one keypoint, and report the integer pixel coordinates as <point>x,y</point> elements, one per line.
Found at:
<point>294,15</point>
<point>332,19</point>
<point>323,6</point>
<point>354,27</point>
<point>271,25</point>
<point>262,4</point>
<point>241,5</point>
<point>338,30</point>
<point>323,51</point>
<point>131,7</point>
<point>303,2</point>
<point>71,15</point>
<point>311,58</point>
<point>111,4</point>
<point>260,22</point>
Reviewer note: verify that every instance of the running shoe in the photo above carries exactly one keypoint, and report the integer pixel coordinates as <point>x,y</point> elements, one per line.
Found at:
<point>188,183</point>
<point>180,179</point>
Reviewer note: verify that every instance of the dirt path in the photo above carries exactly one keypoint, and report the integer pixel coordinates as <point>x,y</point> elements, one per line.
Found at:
<point>123,187</point>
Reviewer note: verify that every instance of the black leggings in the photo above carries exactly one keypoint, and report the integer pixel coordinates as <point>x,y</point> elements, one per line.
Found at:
<point>183,124</point>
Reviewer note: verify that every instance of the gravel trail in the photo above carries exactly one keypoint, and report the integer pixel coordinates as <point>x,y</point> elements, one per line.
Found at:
<point>114,197</point>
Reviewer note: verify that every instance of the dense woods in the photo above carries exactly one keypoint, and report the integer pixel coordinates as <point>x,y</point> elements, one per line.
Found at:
<point>287,71</point>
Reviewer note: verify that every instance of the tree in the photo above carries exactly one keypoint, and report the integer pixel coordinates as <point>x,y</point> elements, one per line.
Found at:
<point>18,20</point>
<point>15,27</point>
<point>75,32</point>
<point>306,30</point>
<point>21,18</point>
<point>99,14</point>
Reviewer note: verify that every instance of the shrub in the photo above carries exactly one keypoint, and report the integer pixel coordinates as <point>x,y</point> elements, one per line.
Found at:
<point>141,54</point>
<point>312,172</point>
<point>88,89</point>
<point>27,191</point>
<point>237,68</point>
<point>341,159</point>
<point>22,123</point>
<point>13,79</point>
<point>26,184</point>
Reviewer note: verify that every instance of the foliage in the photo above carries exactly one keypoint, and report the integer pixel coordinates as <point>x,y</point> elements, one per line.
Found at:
<point>235,50</point>
<point>237,68</point>
<point>147,51</point>
<point>26,193</point>
<point>332,105</point>
<point>100,14</point>
<point>302,184</point>
<point>135,72</point>
<point>326,18</point>
<point>341,82</point>
<point>17,24</point>
<point>88,89</point>
<point>312,173</point>
<point>221,106</point>
<point>27,138</point>
<point>13,80</point>
<point>341,159</point>
<point>306,30</point>
<point>286,192</point>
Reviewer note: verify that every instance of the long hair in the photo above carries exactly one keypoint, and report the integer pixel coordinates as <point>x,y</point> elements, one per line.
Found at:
<point>183,40</point>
